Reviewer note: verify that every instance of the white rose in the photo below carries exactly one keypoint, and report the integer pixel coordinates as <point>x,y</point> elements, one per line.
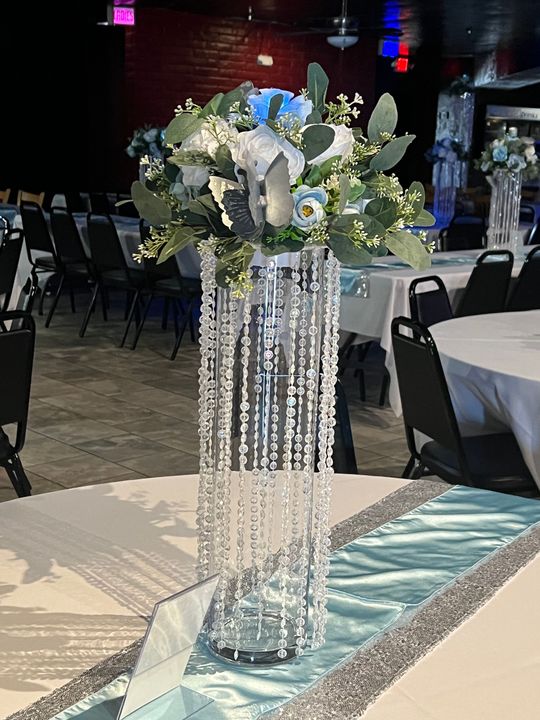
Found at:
<point>358,206</point>
<point>194,176</point>
<point>530,152</point>
<point>210,136</point>
<point>261,146</point>
<point>342,145</point>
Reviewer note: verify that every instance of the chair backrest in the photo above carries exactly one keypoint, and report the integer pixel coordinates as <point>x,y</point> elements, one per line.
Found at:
<point>534,235</point>
<point>5,227</point>
<point>67,240</point>
<point>99,203</point>
<point>464,233</point>
<point>431,306</point>
<point>425,399</point>
<point>23,196</point>
<point>344,455</point>
<point>36,232</point>
<point>487,288</point>
<point>105,248</point>
<point>16,360</point>
<point>75,202</point>
<point>10,252</point>
<point>126,209</point>
<point>4,195</point>
<point>527,214</point>
<point>526,292</point>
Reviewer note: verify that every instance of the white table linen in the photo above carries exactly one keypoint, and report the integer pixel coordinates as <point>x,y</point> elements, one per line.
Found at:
<point>79,570</point>
<point>492,365</point>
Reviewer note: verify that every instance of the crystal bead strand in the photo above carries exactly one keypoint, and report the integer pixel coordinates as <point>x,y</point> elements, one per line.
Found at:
<point>326,440</point>
<point>206,406</point>
<point>243,448</point>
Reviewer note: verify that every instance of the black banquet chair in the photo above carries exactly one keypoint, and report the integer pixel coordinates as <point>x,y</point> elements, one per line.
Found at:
<point>527,214</point>
<point>487,288</point>
<point>110,270</point>
<point>10,252</point>
<point>429,306</point>
<point>16,360</point>
<point>73,264</point>
<point>463,233</point>
<point>533,238</point>
<point>491,462</point>
<point>525,294</point>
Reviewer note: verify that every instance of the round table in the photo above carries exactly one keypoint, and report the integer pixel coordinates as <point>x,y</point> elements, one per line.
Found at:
<point>80,570</point>
<point>492,366</point>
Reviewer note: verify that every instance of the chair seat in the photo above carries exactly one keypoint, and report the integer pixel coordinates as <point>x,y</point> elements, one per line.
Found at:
<point>46,263</point>
<point>495,463</point>
<point>118,278</point>
<point>178,287</point>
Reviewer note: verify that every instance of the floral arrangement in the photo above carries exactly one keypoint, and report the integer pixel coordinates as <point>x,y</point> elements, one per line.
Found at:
<point>510,153</point>
<point>146,141</point>
<point>446,150</point>
<point>265,170</point>
<point>460,85</point>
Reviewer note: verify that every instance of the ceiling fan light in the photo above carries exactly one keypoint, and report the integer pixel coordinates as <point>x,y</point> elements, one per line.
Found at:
<point>342,41</point>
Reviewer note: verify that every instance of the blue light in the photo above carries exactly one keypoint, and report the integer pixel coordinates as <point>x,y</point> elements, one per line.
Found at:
<point>390,48</point>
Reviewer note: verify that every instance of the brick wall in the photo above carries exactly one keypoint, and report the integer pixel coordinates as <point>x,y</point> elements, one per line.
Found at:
<point>173,55</point>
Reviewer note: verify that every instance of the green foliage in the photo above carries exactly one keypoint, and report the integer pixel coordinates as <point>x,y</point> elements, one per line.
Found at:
<point>383,120</point>
<point>416,196</point>
<point>424,219</point>
<point>346,251</point>
<point>181,127</point>
<point>225,162</point>
<point>149,206</point>
<point>409,248</point>
<point>317,86</point>
<point>212,106</point>
<point>317,139</point>
<point>344,191</point>
<point>391,154</point>
<point>382,210</point>
<point>183,237</point>
<point>275,105</point>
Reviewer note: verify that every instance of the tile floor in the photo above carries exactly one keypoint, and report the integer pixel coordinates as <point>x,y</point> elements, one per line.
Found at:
<point>100,413</point>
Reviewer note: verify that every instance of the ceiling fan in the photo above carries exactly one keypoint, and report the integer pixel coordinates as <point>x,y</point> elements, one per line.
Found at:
<point>343,30</point>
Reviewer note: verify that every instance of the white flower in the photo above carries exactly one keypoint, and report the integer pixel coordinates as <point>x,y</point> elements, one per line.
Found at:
<point>355,207</point>
<point>210,136</point>
<point>261,146</point>
<point>530,154</point>
<point>515,162</point>
<point>342,145</point>
<point>194,176</point>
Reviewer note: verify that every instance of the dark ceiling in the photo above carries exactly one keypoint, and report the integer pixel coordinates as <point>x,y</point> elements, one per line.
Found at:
<point>461,27</point>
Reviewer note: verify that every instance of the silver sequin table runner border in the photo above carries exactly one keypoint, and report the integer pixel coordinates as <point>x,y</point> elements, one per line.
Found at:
<point>346,692</point>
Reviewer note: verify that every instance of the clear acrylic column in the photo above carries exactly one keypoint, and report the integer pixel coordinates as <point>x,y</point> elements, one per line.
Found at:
<point>267,380</point>
<point>444,200</point>
<point>504,210</point>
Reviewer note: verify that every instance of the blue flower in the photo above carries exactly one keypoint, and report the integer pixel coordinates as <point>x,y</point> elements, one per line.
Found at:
<point>308,206</point>
<point>500,154</point>
<point>292,107</point>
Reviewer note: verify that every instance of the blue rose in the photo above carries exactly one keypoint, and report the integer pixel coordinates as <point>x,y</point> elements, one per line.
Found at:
<point>291,107</point>
<point>308,206</point>
<point>500,154</point>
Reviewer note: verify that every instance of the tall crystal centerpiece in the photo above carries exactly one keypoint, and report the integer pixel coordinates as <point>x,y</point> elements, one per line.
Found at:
<point>269,363</point>
<point>445,187</point>
<point>504,210</point>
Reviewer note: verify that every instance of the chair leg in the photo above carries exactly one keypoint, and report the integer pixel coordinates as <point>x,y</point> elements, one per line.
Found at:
<point>134,305</point>
<point>142,321</point>
<point>18,477</point>
<point>55,300</point>
<point>89,310</point>
<point>129,300</point>
<point>417,472</point>
<point>104,303</point>
<point>165,315</point>
<point>385,382</point>
<point>408,467</point>
<point>42,298</point>
<point>181,331</point>
<point>72,300</point>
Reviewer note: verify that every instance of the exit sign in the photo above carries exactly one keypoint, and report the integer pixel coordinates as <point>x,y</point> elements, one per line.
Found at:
<point>123,16</point>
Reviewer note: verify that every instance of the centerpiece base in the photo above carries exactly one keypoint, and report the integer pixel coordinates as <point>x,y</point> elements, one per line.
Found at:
<point>261,634</point>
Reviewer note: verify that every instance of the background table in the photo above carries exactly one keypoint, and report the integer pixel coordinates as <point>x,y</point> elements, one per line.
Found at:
<point>388,297</point>
<point>492,364</point>
<point>80,570</point>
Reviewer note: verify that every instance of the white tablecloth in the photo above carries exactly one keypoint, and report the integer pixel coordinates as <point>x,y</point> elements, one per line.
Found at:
<point>371,317</point>
<point>79,569</point>
<point>492,364</point>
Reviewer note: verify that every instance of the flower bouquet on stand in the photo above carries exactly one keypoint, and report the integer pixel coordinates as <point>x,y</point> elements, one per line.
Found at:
<point>507,161</point>
<point>146,143</point>
<point>446,155</point>
<point>275,190</point>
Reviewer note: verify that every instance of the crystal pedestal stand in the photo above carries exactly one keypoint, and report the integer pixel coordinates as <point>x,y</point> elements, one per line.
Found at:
<point>504,210</point>
<point>444,200</point>
<point>267,380</point>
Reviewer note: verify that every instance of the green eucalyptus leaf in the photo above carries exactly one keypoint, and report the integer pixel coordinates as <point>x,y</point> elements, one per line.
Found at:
<point>314,117</point>
<point>212,106</point>
<point>383,210</point>
<point>275,106</point>
<point>424,219</point>
<point>181,127</point>
<point>229,99</point>
<point>357,191</point>
<point>225,162</point>
<point>149,206</point>
<point>358,133</point>
<point>327,166</point>
<point>344,191</point>
<point>314,176</point>
<point>317,86</point>
<point>409,248</point>
<point>391,153</point>
<point>346,251</point>
<point>383,118</point>
<point>416,188</point>
<point>183,237</point>
<point>171,171</point>
<point>207,201</point>
<point>276,246</point>
<point>317,139</point>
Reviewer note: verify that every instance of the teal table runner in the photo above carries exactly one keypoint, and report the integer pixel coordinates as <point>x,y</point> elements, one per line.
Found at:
<point>376,582</point>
